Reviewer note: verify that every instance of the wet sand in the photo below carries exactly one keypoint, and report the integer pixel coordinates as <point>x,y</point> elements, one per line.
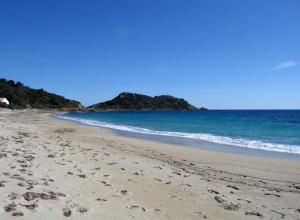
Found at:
<point>56,169</point>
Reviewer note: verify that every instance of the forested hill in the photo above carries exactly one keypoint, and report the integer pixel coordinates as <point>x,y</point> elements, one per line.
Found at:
<point>21,97</point>
<point>133,101</point>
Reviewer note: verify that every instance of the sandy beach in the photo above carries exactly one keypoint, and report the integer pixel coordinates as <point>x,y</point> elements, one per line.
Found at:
<point>56,169</point>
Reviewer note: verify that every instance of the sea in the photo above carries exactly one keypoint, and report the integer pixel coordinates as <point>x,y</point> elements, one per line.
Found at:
<point>259,132</point>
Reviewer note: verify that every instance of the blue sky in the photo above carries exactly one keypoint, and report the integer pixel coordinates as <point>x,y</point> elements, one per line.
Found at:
<point>220,54</point>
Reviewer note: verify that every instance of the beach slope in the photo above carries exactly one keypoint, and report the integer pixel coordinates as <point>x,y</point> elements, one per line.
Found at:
<point>56,169</point>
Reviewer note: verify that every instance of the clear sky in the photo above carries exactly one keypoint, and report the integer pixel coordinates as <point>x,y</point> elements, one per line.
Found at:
<point>236,54</point>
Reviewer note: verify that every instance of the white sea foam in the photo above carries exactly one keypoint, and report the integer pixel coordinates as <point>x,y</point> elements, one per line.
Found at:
<point>254,144</point>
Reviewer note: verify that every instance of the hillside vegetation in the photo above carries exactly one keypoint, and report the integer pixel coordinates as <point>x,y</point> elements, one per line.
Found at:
<point>133,101</point>
<point>21,97</point>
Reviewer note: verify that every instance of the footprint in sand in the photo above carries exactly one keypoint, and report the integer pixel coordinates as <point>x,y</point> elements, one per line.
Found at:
<point>67,212</point>
<point>30,206</point>
<point>112,163</point>
<point>2,183</point>
<point>135,207</point>
<point>124,192</point>
<point>159,180</point>
<point>10,207</point>
<point>130,180</point>
<point>17,213</point>
<point>101,200</point>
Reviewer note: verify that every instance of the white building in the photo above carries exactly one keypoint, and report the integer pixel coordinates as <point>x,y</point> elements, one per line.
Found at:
<point>4,100</point>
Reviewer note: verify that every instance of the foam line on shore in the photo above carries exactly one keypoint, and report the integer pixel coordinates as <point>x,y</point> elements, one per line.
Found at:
<point>239,142</point>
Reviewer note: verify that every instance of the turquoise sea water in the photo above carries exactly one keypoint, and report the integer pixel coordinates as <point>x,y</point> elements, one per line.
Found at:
<point>270,130</point>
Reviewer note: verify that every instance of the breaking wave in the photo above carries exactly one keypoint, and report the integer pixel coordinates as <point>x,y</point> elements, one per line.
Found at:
<point>240,142</point>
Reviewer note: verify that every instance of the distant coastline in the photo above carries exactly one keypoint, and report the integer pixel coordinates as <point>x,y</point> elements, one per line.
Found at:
<point>134,101</point>
<point>134,110</point>
<point>20,96</point>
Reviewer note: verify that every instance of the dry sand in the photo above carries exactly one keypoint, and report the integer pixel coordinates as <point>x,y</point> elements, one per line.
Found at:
<point>54,169</point>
